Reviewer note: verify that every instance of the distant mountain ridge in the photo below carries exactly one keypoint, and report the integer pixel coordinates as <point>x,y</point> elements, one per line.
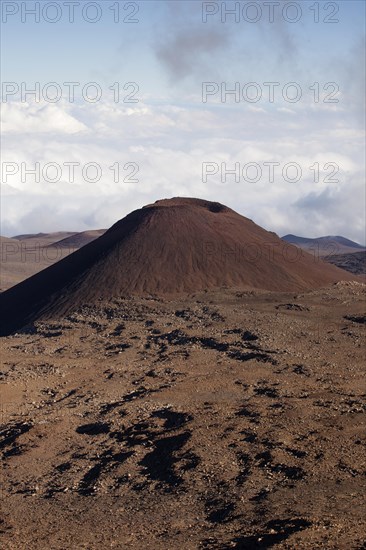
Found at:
<point>325,246</point>
<point>77,240</point>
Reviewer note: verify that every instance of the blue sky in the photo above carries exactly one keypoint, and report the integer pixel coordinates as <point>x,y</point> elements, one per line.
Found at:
<point>170,132</point>
<point>106,50</point>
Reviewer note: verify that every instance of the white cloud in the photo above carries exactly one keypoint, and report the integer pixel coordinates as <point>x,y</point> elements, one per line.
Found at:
<point>286,110</point>
<point>169,143</point>
<point>38,118</point>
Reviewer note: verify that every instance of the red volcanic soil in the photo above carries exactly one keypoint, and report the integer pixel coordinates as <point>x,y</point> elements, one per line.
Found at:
<point>171,247</point>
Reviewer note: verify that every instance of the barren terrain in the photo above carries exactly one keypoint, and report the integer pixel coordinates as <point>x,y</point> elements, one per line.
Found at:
<point>227,419</point>
<point>354,262</point>
<point>25,255</point>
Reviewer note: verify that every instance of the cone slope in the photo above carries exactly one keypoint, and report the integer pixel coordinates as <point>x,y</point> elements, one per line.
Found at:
<point>171,247</point>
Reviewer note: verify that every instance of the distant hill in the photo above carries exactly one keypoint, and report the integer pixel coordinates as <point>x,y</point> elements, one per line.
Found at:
<point>77,240</point>
<point>325,246</point>
<point>9,240</point>
<point>25,255</point>
<point>43,239</point>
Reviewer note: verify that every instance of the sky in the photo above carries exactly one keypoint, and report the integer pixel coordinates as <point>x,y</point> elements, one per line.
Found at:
<point>261,109</point>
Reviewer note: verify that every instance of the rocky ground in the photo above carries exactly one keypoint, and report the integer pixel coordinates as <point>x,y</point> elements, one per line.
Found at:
<point>230,420</point>
<point>354,263</point>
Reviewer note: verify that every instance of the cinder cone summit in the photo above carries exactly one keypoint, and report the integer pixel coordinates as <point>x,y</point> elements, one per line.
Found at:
<point>171,247</point>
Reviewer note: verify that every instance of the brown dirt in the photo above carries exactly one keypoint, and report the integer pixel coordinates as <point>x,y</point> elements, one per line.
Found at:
<point>26,255</point>
<point>229,419</point>
<point>19,260</point>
